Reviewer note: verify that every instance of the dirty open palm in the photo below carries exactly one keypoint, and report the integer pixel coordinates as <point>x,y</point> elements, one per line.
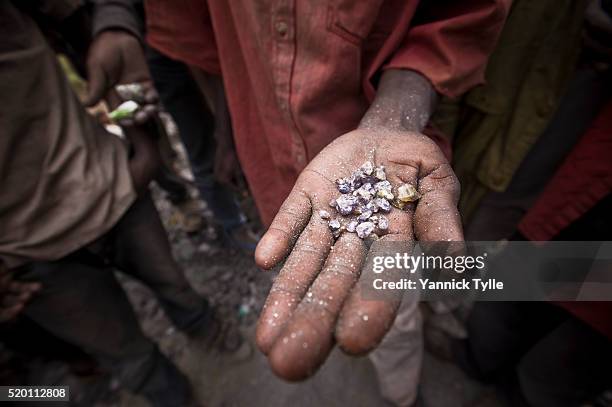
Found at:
<point>315,301</point>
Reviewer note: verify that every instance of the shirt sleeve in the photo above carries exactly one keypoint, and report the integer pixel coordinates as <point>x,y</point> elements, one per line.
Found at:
<point>450,42</point>
<point>125,15</point>
<point>183,30</point>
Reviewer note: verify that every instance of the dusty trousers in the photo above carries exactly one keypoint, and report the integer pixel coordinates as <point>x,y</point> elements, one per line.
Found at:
<point>398,359</point>
<point>82,302</point>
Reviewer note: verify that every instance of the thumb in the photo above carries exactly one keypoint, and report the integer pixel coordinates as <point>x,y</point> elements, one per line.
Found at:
<point>96,85</point>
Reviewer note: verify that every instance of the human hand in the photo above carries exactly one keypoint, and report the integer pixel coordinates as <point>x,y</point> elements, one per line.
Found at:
<point>117,58</point>
<point>14,294</point>
<point>315,300</point>
<point>145,159</point>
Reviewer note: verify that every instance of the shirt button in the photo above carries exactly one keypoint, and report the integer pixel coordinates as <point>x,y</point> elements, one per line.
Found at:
<point>282,28</point>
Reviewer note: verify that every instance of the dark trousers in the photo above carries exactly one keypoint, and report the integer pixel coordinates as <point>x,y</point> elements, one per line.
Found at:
<point>82,302</point>
<point>537,352</point>
<point>181,97</point>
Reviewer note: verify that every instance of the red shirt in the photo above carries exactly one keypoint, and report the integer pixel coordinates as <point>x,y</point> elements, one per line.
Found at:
<point>299,73</point>
<point>584,178</point>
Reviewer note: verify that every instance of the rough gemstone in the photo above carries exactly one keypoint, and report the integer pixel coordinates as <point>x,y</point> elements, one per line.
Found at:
<point>364,196</point>
<point>407,193</point>
<point>355,181</point>
<point>365,192</point>
<point>346,204</point>
<point>365,215</point>
<point>334,224</point>
<point>379,173</point>
<point>125,110</point>
<point>343,185</point>
<point>383,223</point>
<point>372,206</point>
<point>131,91</point>
<point>367,168</point>
<point>351,226</point>
<point>364,229</point>
<point>382,204</point>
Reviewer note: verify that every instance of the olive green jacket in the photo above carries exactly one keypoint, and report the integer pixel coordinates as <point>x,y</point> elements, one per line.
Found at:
<point>494,125</point>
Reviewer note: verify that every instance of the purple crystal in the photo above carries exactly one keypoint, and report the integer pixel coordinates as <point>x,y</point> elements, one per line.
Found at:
<point>382,204</point>
<point>356,180</point>
<point>372,206</point>
<point>334,224</point>
<point>364,229</point>
<point>383,185</point>
<point>324,214</point>
<point>343,185</point>
<point>383,223</point>
<point>364,192</point>
<point>365,215</point>
<point>351,226</point>
<point>346,204</point>
<point>367,168</point>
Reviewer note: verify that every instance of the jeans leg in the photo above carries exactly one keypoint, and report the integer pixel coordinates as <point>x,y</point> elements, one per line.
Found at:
<point>84,305</point>
<point>181,97</point>
<point>140,248</point>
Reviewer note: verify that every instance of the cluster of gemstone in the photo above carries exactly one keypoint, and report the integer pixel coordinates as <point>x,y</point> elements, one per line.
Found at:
<point>365,197</point>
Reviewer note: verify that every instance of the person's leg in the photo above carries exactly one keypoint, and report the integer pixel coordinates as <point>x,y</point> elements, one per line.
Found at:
<point>499,333</point>
<point>398,358</point>
<point>181,97</point>
<point>83,304</point>
<point>176,190</point>
<point>138,246</point>
<point>568,367</point>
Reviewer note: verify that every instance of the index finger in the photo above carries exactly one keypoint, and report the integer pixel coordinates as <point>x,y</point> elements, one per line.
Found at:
<point>282,234</point>
<point>300,269</point>
<point>307,339</point>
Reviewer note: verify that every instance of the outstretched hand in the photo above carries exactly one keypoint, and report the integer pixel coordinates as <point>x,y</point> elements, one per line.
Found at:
<point>315,300</point>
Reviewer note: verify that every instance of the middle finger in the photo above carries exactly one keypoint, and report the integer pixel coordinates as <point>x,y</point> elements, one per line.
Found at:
<point>307,338</point>
<point>300,269</point>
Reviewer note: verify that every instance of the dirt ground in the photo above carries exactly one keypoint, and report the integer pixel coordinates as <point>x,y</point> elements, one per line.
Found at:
<point>234,285</point>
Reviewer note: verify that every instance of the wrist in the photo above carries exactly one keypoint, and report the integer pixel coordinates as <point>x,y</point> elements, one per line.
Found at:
<point>118,30</point>
<point>404,102</point>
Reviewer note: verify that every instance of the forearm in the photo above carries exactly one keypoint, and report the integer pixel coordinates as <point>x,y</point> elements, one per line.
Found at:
<point>126,15</point>
<point>404,101</point>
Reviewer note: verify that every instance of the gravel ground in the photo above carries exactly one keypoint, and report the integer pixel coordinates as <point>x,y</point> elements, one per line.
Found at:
<point>233,284</point>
